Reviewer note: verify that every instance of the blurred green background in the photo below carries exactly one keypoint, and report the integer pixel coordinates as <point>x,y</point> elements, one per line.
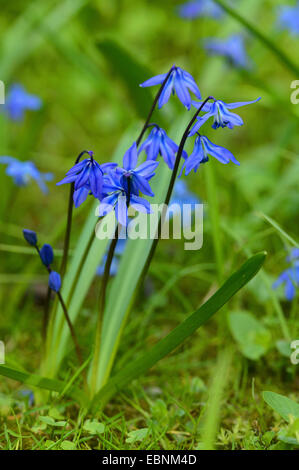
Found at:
<point>85,60</point>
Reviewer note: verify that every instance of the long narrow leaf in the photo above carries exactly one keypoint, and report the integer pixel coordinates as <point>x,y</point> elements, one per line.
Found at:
<point>139,366</point>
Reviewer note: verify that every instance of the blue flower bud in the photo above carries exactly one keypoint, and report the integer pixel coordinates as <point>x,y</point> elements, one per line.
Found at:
<point>30,237</point>
<point>54,281</point>
<point>47,255</point>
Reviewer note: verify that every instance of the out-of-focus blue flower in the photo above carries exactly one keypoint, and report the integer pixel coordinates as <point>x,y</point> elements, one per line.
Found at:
<point>288,18</point>
<point>179,82</point>
<point>46,254</point>
<point>30,237</point>
<point>87,176</point>
<point>221,114</point>
<point>157,143</point>
<point>23,172</point>
<point>233,48</point>
<point>138,176</point>
<point>294,255</point>
<point>119,249</point>
<point>18,101</point>
<point>200,8</point>
<point>118,198</point>
<point>202,148</point>
<point>54,281</point>
<point>290,279</point>
<point>182,195</point>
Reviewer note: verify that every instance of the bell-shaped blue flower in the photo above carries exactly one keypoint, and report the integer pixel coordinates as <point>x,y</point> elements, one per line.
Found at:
<point>233,48</point>
<point>46,255</point>
<point>138,176</point>
<point>23,172</point>
<point>202,148</point>
<point>18,101</point>
<point>220,111</point>
<point>87,176</point>
<point>179,82</point>
<point>54,281</point>
<point>157,143</point>
<point>288,18</point>
<point>30,237</point>
<point>290,279</point>
<point>200,8</point>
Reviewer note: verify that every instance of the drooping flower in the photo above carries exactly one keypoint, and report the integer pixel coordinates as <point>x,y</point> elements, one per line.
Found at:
<point>290,279</point>
<point>46,254</point>
<point>139,176</point>
<point>18,101</point>
<point>157,143</point>
<point>179,82</point>
<point>54,281</point>
<point>200,8</point>
<point>288,18</point>
<point>202,148</point>
<point>30,237</point>
<point>221,114</point>
<point>233,48</point>
<point>23,172</point>
<point>87,176</point>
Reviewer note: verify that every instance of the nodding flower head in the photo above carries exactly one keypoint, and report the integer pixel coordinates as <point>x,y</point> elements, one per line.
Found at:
<point>219,110</point>
<point>157,143</point>
<point>54,281</point>
<point>233,48</point>
<point>179,82</point>
<point>87,176</point>
<point>200,8</point>
<point>46,255</point>
<point>202,148</point>
<point>23,172</point>
<point>30,237</point>
<point>18,101</point>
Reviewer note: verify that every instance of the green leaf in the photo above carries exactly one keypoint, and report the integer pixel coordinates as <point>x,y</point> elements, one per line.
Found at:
<point>181,332</point>
<point>130,72</point>
<point>137,436</point>
<point>284,406</point>
<point>68,445</point>
<point>41,382</point>
<point>93,427</point>
<point>254,340</point>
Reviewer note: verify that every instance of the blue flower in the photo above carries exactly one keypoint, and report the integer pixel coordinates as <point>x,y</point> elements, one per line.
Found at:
<point>87,176</point>
<point>18,101</point>
<point>118,198</point>
<point>288,18</point>
<point>30,237</point>
<point>294,255</point>
<point>138,176</point>
<point>233,48</point>
<point>179,82</point>
<point>202,148</point>
<point>46,254</point>
<point>23,172</point>
<point>200,8</point>
<point>119,249</point>
<point>54,281</point>
<point>290,278</point>
<point>182,195</point>
<point>221,114</point>
<point>157,143</point>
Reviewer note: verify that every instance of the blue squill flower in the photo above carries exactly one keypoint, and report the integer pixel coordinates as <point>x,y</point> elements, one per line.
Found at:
<point>23,172</point>
<point>30,237</point>
<point>157,143</point>
<point>200,8</point>
<point>18,101</point>
<point>290,279</point>
<point>294,255</point>
<point>202,148</point>
<point>233,48</point>
<point>46,254</point>
<point>138,176</point>
<point>179,82</point>
<point>54,281</point>
<point>288,18</point>
<point>182,196</point>
<point>119,249</point>
<point>221,114</point>
<point>118,198</point>
<point>87,176</point>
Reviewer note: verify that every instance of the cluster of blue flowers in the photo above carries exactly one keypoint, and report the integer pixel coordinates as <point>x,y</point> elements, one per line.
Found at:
<point>47,257</point>
<point>117,188</point>
<point>290,276</point>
